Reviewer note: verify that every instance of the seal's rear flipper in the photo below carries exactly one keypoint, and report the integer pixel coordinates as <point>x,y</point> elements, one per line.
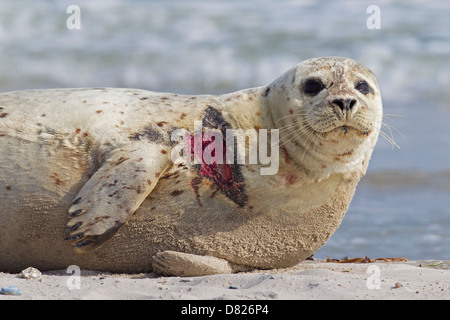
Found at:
<point>114,193</point>
<point>173,263</point>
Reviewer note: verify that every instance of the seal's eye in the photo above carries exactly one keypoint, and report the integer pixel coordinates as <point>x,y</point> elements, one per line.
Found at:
<point>363,87</point>
<point>313,86</point>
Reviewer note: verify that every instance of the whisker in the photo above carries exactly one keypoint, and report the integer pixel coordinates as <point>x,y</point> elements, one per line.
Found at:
<point>394,115</point>
<point>389,126</point>
<point>294,124</point>
<point>307,134</point>
<point>288,127</point>
<point>291,136</point>
<point>389,138</point>
<point>298,114</point>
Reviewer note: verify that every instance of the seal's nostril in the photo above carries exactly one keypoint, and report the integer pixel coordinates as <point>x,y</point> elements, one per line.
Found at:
<point>344,104</point>
<point>351,103</point>
<point>339,103</point>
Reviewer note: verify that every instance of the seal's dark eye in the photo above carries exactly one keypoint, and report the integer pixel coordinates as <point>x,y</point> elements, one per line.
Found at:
<point>313,86</point>
<point>363,87</point>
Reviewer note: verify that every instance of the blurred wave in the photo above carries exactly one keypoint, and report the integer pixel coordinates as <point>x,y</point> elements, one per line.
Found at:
<point>202,46</point>
<point>392,180</point>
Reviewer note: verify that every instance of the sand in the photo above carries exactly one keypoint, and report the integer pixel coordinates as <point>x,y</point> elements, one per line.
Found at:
<point>428,279</point>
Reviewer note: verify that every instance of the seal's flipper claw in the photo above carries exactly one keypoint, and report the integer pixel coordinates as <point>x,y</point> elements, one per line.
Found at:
<point>114,193</point>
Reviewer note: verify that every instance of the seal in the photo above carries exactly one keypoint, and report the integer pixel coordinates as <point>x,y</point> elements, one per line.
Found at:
<point>88,176</point>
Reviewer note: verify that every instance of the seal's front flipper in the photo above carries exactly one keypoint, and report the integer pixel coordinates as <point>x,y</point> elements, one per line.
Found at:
<point>173,263</point>
<point>114,193</point>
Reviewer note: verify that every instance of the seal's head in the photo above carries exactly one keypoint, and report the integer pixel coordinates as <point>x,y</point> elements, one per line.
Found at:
<point>329,113</point>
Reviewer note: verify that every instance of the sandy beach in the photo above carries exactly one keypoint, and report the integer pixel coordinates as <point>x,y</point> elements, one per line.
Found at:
<point>427,279</point>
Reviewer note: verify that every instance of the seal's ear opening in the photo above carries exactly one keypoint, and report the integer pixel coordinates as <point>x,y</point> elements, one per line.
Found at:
<point>266,92</point>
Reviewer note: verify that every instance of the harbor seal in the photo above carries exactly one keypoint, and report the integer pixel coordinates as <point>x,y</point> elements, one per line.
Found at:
<point>88,176</point>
